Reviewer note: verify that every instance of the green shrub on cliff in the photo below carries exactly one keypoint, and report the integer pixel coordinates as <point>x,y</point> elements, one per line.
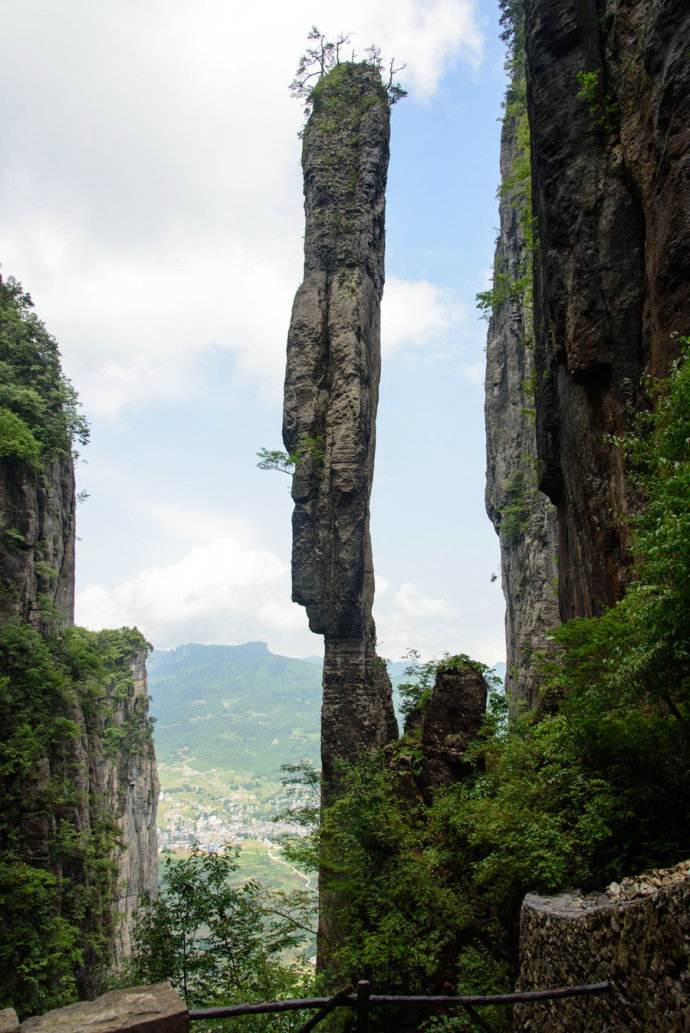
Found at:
<point>596,788</point>
<point>57,872</point>
<point>332,59</point>
<point>219,942</point>
<point>39,412</point>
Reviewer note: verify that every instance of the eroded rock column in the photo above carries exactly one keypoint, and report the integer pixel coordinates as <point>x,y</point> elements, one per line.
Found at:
<point>331,397</point>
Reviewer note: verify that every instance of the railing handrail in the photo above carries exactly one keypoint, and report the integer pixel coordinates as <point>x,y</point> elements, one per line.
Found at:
<point>414,1001</point>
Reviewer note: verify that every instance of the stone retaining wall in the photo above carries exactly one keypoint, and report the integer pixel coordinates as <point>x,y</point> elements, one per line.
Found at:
<point>636,933</point>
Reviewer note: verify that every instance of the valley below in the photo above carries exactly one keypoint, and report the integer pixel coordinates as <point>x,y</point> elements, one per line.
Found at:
<point>227,719</point>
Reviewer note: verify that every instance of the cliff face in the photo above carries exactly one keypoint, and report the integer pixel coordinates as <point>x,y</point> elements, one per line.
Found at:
<point>608,89</point>
<point>523,517</point>
<point>127,780</point>
<point>447,723</point>
<point>331,397</point>
<point>77,768</point>
<point>37,540</point>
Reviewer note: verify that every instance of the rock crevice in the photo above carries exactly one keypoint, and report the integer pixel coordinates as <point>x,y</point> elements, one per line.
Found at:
<point>608,90</point>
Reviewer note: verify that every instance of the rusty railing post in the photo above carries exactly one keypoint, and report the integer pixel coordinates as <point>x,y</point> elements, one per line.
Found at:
<point>363,994</point>
<point>326,1010</point>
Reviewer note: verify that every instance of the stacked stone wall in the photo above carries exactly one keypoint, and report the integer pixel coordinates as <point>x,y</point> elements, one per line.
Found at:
<point>636,934</point>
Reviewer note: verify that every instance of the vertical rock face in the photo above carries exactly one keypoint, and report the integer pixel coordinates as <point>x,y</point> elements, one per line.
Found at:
<point>523,517</point>
<point>128,783</point>
<point>92,780</point>
<point>331,397</point>
<point>448,722</point>
<point>609,110</point>
<point>37,540</point>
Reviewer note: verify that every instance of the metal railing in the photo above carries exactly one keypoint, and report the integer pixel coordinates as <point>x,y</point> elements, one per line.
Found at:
<point>363,1000</point>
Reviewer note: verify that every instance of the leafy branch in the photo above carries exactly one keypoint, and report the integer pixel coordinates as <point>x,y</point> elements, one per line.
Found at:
<point>323,55</point>
<point>311,446</point>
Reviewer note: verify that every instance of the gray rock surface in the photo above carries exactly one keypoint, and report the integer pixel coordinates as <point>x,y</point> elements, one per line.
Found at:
<point>37,556</point>
<point>329,418</point>
<point>611,194</point>
<point>9,1023</point>
<point>139,1009</point>
<point>129,786</point>
<point>331,397</point>
<point>448,722</point>
<point>523,517</point>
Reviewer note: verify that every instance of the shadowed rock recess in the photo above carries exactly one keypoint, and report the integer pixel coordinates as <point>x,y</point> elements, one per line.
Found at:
<point>608,92</point>
<point>523,517</point>
<point>331,397</point>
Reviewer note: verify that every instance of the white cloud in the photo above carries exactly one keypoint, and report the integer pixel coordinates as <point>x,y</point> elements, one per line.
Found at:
<point>414,603</point>
<point>189,523</point>
<point>475,372</point>
<point>150,178</point>
<point>382,584</point>
<point>428,36</point>
<point>410,619</point>
<point>416,313</point>
<point>221,591</point>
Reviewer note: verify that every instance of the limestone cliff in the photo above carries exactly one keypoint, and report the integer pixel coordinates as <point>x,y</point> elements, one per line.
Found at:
<point>127,779</point>
<point>331,397</point>
<point>38,421</point>
<point>37,540</point>
<point>608,90</point>
<point>447,722</point>
<point>523,517</point>
<point>77,769</point>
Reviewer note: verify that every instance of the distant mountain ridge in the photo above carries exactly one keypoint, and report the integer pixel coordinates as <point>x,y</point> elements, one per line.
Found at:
<point>241,708</point>
<point>236,707</point>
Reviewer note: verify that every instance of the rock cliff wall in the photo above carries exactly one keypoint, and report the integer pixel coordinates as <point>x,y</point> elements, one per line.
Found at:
<point>447,722</point>
<point>331,397</point>
<point>78,785</point>
<point>37,540</point>
<point>636,934</point>
<point>523,517</point>
<point>608,91</point>
<point>127,780</point>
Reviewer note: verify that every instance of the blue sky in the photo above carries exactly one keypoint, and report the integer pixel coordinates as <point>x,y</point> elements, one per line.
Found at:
<point>151,184</point>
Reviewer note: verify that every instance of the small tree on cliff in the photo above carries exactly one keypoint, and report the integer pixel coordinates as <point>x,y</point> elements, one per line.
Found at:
<point>323,55</point>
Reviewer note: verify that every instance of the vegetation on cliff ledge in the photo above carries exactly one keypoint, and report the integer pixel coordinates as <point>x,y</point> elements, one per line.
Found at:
<point>65,706</point>
<point>593,787</point>
<point>39,411</point>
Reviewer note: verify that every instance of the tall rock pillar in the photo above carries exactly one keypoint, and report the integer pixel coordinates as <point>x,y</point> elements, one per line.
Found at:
<point>331,398</point>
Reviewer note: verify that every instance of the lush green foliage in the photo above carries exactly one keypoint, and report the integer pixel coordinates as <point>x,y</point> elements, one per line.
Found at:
<point>217,942</point>
<point>57,872</point>
<point>39,413</point>
<point>597,788</point>
<point>603,109</point>
<point>310,447</point>
<point>325,57</point>
<point>512,22</point>
<point>418,681</point>
<point>235,706</point>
